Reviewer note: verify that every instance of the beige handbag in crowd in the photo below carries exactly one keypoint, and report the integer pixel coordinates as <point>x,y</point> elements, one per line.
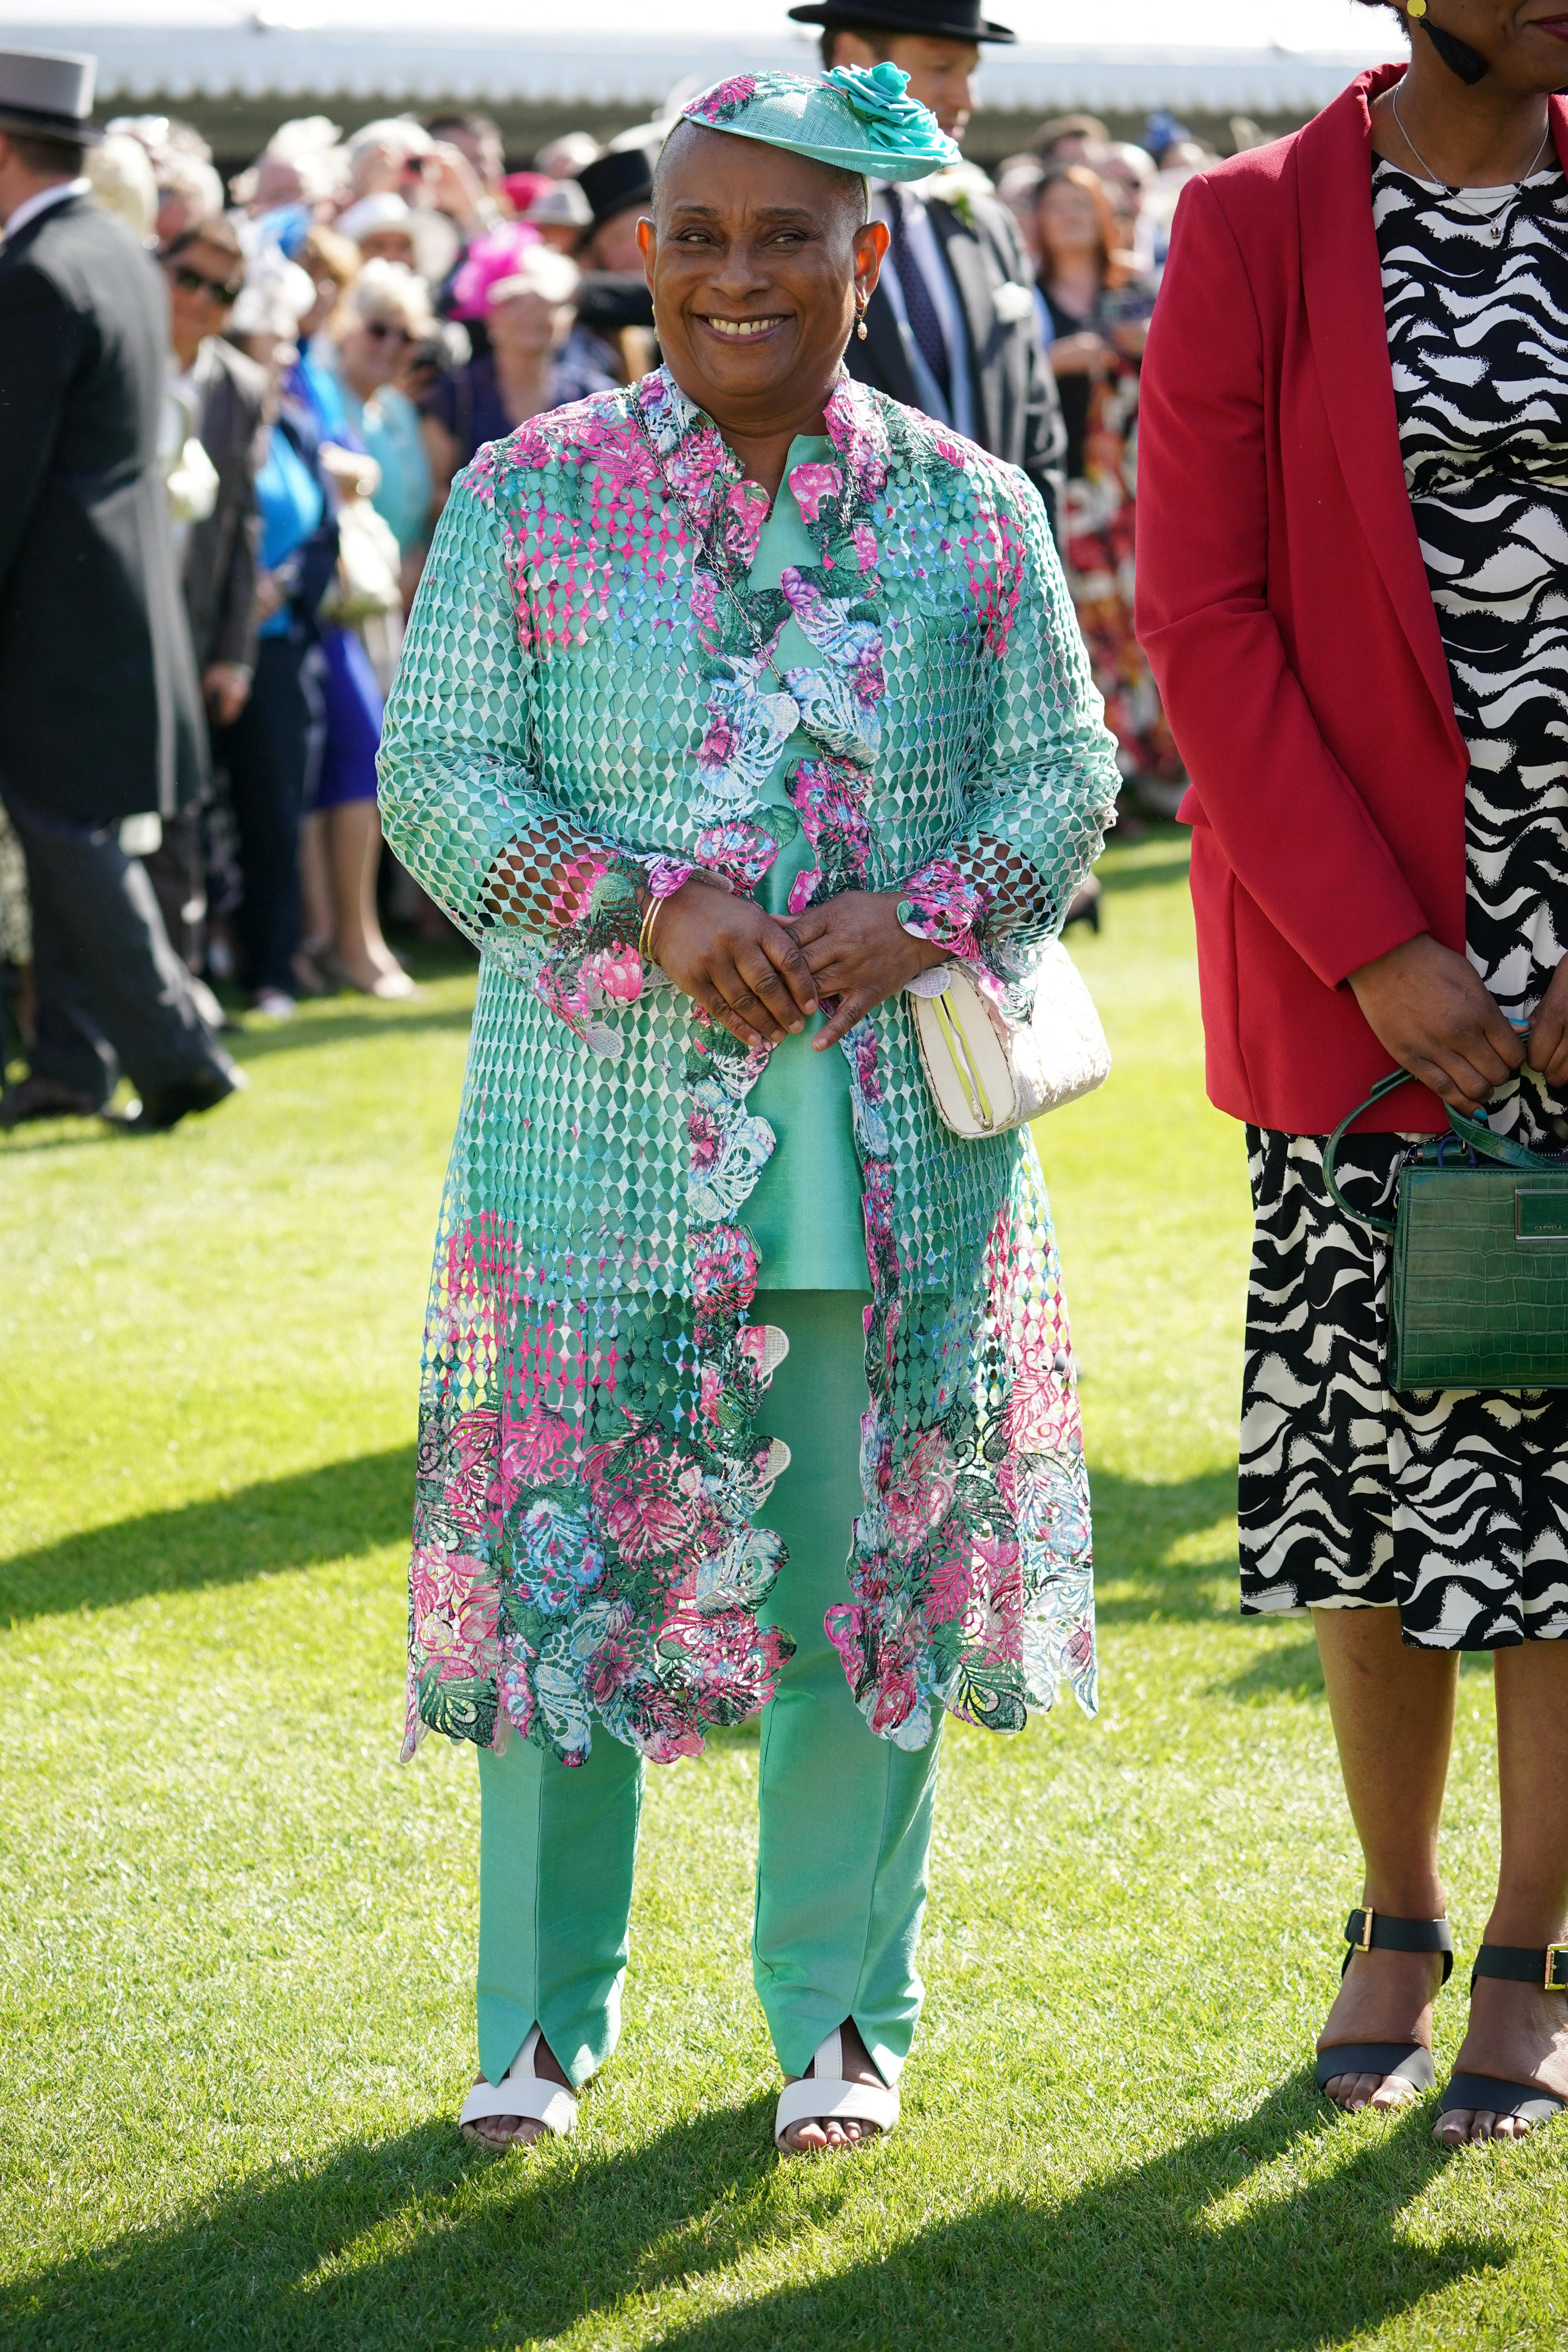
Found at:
<point>985,1077</point>
<point>366,581</point>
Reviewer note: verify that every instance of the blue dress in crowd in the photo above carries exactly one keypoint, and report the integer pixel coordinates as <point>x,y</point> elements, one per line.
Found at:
<point>353,697</point>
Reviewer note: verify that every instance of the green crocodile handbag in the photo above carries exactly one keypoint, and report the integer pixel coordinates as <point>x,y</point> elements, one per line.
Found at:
<point>1477,1280</point>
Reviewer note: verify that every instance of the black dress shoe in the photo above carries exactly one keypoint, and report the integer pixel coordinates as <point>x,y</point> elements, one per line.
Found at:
<point>44,1098</point>
<point>164,1107</point>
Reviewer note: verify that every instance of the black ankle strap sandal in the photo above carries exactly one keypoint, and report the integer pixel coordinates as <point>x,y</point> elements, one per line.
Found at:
<point>1545,1964</point>
<point>1367,1930</point>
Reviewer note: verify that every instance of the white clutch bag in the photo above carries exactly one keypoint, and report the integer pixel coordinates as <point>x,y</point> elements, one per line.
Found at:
<point>985,1076</point>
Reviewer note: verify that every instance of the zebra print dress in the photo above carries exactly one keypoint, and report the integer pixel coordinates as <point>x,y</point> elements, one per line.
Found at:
<point>1451,1506</point>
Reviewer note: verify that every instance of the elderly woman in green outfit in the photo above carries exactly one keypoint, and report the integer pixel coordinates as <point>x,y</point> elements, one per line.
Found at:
<point>732,702</point>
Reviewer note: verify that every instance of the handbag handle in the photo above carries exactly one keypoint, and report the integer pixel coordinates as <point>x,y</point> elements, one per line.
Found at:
<point>1470,1131</point>
<point>1384,1225</point>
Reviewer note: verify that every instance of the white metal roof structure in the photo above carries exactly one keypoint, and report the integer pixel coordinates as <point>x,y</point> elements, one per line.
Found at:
<point>1215,56</point>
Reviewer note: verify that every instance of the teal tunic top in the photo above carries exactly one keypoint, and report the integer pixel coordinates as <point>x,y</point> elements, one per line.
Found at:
<point>805,1209</point>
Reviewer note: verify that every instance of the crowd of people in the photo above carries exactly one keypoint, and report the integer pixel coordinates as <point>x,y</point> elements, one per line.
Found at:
<point>353,317</point>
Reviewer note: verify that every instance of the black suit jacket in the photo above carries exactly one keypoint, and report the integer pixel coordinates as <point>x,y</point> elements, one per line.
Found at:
<point>99,715</point>
<point>220,554</point>
<point>1017,413</point>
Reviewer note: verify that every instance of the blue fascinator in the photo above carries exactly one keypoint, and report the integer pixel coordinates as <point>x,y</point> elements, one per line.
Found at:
<point>857,119</point>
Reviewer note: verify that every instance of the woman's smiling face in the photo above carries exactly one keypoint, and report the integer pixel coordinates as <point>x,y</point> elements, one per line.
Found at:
<point>753,261</point>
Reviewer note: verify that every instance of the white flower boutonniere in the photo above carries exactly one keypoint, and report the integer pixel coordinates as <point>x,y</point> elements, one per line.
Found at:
<point>1013,302</point>
<point>958,185</point>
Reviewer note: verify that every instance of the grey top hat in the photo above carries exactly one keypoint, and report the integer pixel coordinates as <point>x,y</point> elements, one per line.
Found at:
<point>47,95</point>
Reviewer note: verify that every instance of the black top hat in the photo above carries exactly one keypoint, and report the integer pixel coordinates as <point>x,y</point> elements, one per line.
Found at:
<point>615,181</point>
<point>947,20</point>
<point>47,95</point>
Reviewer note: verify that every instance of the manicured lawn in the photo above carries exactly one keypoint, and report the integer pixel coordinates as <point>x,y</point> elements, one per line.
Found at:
<point>238,1940</point>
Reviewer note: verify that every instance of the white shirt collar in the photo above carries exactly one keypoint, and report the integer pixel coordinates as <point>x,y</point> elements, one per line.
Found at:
<point>199,373</point>
<point>31,207</point>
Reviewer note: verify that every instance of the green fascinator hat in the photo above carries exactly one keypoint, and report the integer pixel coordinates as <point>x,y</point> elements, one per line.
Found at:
<point>857,119</point>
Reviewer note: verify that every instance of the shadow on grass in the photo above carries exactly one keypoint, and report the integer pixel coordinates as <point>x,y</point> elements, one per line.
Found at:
<point>1141,2259</point>
<point>1154,875</point>
<point>1290,1671</point>
<point>343,1508</point>
<point>1136,1522</point>
<point>417,2241</point>
<point>57,1135</point>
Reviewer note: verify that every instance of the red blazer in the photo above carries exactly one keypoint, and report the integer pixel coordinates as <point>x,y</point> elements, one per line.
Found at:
<point>1283,603</point>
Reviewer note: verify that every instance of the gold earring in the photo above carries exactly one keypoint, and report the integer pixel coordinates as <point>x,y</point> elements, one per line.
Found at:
<point>860,307</point>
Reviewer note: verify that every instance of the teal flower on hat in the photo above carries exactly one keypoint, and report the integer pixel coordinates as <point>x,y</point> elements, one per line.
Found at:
<point>857,119</point>
<point>875,96</point>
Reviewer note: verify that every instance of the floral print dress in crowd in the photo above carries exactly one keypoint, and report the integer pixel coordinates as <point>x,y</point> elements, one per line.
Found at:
<point>1101,413</point>
<point>586,706</point>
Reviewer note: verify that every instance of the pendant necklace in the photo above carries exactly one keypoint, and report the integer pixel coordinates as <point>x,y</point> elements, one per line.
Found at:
<point>1495,217</point>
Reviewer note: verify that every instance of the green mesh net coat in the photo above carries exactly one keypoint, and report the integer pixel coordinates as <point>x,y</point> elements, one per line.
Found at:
<point>583,708</point>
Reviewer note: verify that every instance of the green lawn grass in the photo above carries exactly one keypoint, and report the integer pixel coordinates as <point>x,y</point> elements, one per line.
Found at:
<point>238,1937</point>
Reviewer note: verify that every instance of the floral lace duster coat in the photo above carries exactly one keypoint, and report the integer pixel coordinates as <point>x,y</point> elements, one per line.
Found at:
<point>583,707</point>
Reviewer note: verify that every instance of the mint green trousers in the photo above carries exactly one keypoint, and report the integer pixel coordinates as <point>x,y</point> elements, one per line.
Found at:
<point>845,1818</point>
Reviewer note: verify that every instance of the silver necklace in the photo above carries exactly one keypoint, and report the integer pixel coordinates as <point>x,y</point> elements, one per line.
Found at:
<point>1496,219</point>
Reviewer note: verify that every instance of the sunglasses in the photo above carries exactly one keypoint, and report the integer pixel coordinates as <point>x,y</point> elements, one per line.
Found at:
<point>383,330</point>
<point>217,290</point>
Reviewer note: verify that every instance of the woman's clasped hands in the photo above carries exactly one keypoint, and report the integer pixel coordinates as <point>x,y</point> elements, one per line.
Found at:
<point>1430,1009</point>
<point>763,976</point>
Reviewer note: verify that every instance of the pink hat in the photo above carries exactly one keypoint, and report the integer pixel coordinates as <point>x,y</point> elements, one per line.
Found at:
<point>525,188</point>
<point>491,256</point>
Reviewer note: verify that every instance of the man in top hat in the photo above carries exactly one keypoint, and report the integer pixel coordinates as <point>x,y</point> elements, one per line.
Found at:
<point>618,185</point>
<point>953,326</point>
<point>618,188</point>
<point>100,711</point>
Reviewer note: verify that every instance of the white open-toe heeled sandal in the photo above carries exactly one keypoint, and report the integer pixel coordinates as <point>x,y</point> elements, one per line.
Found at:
<point>824,2093</point>
<point>522,2092</point>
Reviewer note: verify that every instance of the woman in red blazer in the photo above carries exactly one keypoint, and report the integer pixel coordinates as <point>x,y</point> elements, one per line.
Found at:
<point>1353,585</point>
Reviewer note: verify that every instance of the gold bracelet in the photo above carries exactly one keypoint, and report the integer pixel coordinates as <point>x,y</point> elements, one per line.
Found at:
<point>644,935</point>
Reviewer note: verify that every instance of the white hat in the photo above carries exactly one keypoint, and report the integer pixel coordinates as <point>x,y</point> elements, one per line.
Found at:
<point>374,213</point>
<point>393,131</point>
<point>561,206</point>
<point>49,94</point>
<point>275,297</point>
<point>303,134</point>
<point>432,235</point>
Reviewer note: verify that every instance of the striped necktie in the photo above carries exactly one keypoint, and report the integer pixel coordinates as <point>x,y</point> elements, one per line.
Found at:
<point>919,309</point>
